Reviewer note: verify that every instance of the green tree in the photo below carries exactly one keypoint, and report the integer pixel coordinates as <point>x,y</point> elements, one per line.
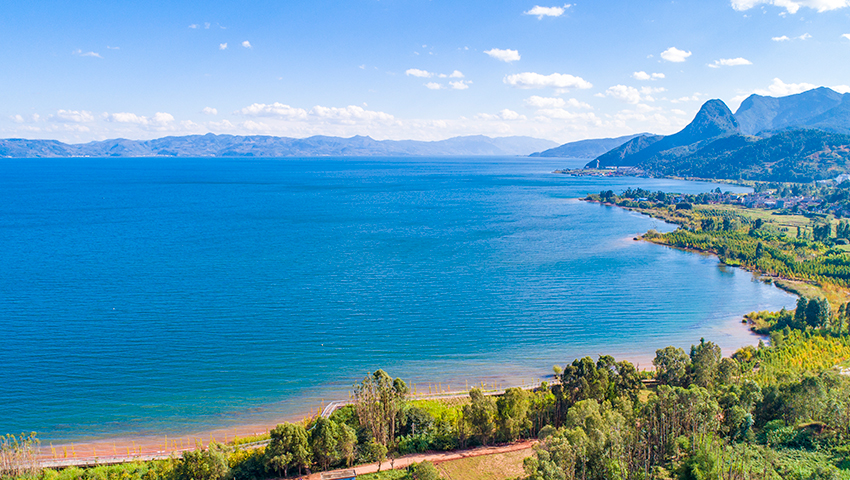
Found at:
<point>817,313</point>
<point>512,407</point>
<point>200,464</point>
<point>289,447</point>
<point>424,471</point>
<point>480,414</point>
<point>346,443</point>
<point>378,400</point>
<point>324,442</point>
<point>705,363</point>
<point>671,366</point>
<point>374,452</point>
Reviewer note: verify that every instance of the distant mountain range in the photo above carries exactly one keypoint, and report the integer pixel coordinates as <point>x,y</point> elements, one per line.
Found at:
<point>798,138</point>
<point>821,108</point>
<point>211,145</point>
<point>586,148</point>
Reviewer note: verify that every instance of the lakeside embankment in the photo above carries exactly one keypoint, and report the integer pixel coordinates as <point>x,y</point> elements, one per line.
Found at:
<point>755,240</point>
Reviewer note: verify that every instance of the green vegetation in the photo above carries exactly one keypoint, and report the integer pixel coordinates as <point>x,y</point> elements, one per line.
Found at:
<point>790,247</point>
<point>792,156</point>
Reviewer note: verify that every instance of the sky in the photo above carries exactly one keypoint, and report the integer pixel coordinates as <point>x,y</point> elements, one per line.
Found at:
<point>79,71</point>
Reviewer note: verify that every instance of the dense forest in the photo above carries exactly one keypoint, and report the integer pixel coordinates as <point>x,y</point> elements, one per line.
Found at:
<point>791,156</point>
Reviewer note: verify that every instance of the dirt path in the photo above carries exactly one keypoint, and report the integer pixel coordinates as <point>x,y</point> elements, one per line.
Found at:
<point>435,457</point>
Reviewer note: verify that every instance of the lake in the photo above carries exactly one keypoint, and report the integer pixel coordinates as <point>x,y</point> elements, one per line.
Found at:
<point>170,295</point>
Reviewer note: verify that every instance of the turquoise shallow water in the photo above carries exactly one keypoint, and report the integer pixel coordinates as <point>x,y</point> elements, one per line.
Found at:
<point>150,296</point>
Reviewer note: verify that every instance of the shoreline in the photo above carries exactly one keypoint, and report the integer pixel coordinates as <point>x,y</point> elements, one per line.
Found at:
<point>143,444</point>
<point>129,448</point>
<point>125,445</point>
<point>779,282</point>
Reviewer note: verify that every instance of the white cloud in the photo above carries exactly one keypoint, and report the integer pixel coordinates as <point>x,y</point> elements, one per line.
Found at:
<point>207,25</point>
<point>456,74</point>
<point>846,35</point>
<point>162,118</point>
<point>541,12</point>
<point>693,98</point>
<point>81,53</point>
<point>503,55</point>
<point>780,89</point>
<point>222,46</point>
<point>459,85</point>
<point>675,55</point>
<point>350,114</point>
<point>545,102</point>
<point>730,62</point>
<point>17,118</point>
<point>273,110</point>
<point>791,6</point>
<point>555,80</point>
<point>415,72</point>
<point>247,44</point>
<point>112,48</point>
<point>785,38</point>
<point>73,116</point>
<point>505,114</point>
<point>678,112</point>
<point>554,102</point>
<point>433,86</point>
<point>841,88</point>
<point>159,119</point>
<point>646,76</point>
<point>562,114</point>
<point>209,111</point>
<point>624,93</point>
<point>194,25</point>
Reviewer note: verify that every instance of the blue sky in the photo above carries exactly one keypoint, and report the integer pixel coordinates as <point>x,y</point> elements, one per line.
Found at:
<point>396,69</point>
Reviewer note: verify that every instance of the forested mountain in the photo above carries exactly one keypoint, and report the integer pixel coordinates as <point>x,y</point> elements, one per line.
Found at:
<point>801,138</point>
<point>713,121</point>
<point>820,108</point>
<point>211,145</point>
<point>793,156</point>
<point>590,148</point>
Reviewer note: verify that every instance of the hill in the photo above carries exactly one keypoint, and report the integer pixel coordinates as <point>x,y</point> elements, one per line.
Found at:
<point>821,108</point>
<point>590,148</point>
<point>211,145</point>
<point>791,156</point>
<point>713,121</point>
<point>716,145</point>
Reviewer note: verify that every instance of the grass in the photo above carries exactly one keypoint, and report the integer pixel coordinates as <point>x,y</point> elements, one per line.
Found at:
<point>501,466</point>
<point>836,295</point>
<point>445,409</point>
<point>385,475</point>
<point>790,221</point>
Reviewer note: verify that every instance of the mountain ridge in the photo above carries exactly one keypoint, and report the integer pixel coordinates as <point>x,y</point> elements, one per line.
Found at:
<point>589,148</point>
<point>213,145</point>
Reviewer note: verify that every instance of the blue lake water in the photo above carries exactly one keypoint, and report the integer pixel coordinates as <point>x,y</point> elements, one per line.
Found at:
<point>153,296</point>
